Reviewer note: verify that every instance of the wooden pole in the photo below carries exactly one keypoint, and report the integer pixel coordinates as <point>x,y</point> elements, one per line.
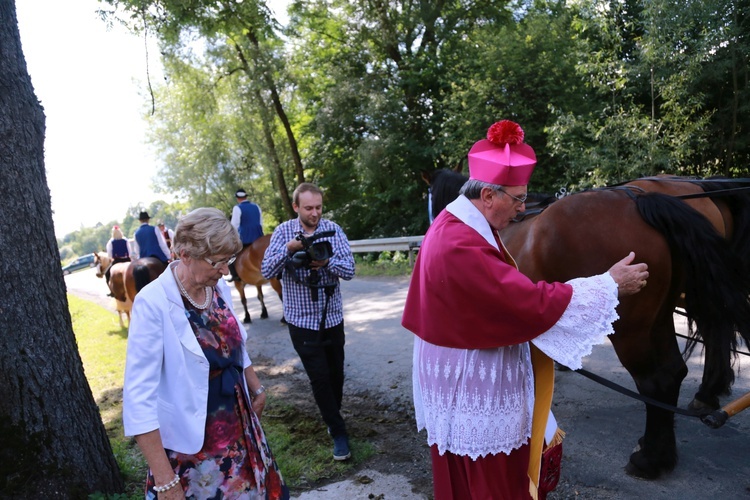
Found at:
<point>720,417</point>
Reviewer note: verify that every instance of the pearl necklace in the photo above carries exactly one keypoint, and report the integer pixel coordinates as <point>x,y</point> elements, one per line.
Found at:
<point>187,295</point>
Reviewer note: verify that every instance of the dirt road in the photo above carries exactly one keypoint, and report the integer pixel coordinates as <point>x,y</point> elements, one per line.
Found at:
<point>602,426</point>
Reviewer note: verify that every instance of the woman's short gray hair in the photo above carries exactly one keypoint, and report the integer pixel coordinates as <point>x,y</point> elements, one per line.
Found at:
<point>205,232</point>
<point>472,189</point>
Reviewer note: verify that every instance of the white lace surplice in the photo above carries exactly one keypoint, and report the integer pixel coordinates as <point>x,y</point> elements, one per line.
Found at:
<point>476,402</point>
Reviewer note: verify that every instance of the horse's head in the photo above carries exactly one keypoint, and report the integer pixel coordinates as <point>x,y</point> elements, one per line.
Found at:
<point>102,261</point>
<point>444,187</point>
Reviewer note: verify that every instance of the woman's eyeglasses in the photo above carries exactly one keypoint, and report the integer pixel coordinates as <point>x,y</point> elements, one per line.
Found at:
<point>218,264</point>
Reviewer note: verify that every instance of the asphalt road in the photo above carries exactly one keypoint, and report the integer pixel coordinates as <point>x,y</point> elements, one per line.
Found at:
<point>602,426</point>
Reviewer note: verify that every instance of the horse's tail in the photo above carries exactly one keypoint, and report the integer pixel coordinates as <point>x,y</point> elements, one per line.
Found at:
<point>716,289</point>
<point>141,276</point>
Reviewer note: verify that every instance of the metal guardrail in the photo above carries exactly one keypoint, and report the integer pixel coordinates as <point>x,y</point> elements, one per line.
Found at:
<point>408,244</point>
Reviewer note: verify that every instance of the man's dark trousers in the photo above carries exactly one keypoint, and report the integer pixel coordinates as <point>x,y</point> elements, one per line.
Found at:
<point>324,365</point>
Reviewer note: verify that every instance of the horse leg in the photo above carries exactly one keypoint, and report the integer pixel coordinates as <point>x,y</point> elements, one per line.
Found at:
<point>263,311</point>
<point>276,285</point>
<point>240,286</point>
<point>706,400</point>
<point>658,373</point>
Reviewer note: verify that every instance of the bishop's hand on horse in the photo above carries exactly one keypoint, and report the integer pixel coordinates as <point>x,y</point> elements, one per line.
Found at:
<point>630,278</point>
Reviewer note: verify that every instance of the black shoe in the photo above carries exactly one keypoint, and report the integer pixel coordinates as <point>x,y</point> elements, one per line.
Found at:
<point>341,448</point>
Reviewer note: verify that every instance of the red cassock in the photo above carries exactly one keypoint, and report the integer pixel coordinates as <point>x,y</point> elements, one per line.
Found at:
<point>466,294</point>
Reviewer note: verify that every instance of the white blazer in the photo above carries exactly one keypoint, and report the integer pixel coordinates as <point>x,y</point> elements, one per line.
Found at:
<point>166,372</point>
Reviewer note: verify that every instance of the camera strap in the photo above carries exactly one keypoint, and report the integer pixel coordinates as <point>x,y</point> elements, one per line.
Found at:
<point>314,286</point>
<point>319,342</point>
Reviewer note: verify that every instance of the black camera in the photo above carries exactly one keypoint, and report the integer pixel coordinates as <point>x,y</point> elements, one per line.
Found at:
<point>313,250</point>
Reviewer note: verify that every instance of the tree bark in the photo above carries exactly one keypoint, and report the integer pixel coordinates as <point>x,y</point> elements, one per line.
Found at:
<point>53,442</point>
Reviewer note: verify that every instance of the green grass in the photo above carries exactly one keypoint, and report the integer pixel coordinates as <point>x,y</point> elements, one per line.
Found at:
<point>303,448</point>
<point>300,444</point>
<point>383,264</point>
<point>102,344</point>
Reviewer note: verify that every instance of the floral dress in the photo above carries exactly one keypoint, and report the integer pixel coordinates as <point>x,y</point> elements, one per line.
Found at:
<point>235,461</point>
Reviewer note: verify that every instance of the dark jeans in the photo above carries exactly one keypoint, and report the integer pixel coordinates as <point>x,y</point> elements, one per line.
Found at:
<point>324,365</point>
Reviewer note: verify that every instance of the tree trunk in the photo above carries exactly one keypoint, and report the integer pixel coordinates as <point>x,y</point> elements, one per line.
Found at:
<point>266,121</point>
<point>53,442</point>
<point>277,106</point>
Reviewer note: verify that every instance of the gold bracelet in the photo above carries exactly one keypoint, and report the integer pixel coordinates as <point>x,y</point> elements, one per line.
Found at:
<point>174,482</point>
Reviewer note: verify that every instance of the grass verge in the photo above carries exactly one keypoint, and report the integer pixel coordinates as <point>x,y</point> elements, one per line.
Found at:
<point>383,264</point>
<point>302,450</point>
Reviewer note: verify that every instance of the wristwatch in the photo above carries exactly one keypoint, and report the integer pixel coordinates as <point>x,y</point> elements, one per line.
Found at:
<point>260,391</point>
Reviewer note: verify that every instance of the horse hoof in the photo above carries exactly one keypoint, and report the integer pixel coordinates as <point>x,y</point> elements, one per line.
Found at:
<point>283,320</point>
<point>264,316</point>
<point>701,408</point>
<point>247,320</point>
<point>640,466</point>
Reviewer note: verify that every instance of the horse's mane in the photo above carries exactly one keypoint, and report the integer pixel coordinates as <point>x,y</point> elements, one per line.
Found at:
<point>444,187</point>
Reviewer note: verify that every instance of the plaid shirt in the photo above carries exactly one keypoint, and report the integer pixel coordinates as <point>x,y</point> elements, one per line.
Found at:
<point>299,308</point>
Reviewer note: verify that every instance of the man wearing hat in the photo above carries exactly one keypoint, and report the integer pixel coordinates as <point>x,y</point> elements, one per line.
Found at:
<point>485,334</point>
<point>247,220</point>
<point>149,241</point>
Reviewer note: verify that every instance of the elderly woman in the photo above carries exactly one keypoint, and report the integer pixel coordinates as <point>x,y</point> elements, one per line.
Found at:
<point>191,397</point>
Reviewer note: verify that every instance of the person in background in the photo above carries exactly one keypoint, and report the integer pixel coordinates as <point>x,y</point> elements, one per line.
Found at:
<point>191,397</point>
<point>247,219</point>
<point>118,250</point>
<point>168,236</point>
<point>485,334</point>
<point>149,241</point>
<point>312,302</point>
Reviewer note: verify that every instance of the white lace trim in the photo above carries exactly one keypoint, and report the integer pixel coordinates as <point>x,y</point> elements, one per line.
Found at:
<point>476,402</point>
<point>585,323</point>
<point>473,401</point>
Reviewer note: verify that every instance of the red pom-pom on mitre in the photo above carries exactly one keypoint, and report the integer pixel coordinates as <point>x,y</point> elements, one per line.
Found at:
<point>505,132</point>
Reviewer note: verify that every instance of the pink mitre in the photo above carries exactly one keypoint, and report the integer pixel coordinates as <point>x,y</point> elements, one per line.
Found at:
<point>502,158</point>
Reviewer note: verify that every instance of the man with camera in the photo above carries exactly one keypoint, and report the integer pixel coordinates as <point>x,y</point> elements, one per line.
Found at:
<point>313,254</point>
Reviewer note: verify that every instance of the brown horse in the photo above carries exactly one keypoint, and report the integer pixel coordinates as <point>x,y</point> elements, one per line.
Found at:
<point>140,273</point>
<point>123,303</point>
<point>248,269</point>
<point>693,246</point>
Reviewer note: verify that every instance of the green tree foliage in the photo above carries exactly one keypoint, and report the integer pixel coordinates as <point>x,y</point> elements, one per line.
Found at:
<point>222,64</point>
<point>361,96</point>
<point>375,74</point>
<point>660,75</point>
<point>92,240</point>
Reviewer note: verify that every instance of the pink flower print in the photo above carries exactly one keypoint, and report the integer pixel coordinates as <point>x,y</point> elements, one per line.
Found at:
<point>223,431</point>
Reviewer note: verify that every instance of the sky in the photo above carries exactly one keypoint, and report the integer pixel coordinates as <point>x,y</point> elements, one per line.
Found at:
<point>88,80</point>
<point>92,83</point>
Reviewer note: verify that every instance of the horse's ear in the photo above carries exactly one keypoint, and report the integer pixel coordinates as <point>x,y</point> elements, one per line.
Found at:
<point>459,166</point>
<point>425,176</point>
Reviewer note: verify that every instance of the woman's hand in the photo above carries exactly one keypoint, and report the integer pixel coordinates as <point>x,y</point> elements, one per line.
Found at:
<point>259,402</point>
